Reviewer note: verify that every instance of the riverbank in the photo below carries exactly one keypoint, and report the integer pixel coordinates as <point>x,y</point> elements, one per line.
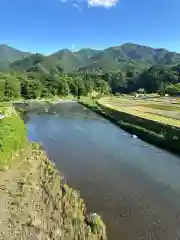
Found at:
<point>131,184</point>
<point>52,100</point>
<point>45,101</point>
<point>13,138</point>
<point>27,106</point>
<point>162,135</point>
<point>35,201</point>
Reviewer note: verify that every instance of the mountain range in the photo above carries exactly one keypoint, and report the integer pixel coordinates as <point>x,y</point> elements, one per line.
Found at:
<point>9,55</point>
<point>117,58</point>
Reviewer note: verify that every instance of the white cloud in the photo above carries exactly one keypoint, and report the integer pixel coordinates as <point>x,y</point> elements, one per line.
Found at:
<point>72,46</point>
<point>75,5</point>
<point>102,3</point>
<point>92,3</point>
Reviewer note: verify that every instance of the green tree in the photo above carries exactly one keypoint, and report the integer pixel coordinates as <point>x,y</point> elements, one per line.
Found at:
<point>31,89</point>
<point>173,89</point>
<point>12,87</point>
<point>63,87</point>
<point>2,86</point>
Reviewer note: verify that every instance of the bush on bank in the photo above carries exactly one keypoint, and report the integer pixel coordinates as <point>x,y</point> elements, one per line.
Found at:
<point>12,138</point>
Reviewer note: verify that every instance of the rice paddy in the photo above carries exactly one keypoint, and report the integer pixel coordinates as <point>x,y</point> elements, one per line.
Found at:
<point>161,109</point>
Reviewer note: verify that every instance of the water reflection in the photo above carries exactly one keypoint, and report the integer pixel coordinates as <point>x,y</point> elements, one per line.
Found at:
<point>135,188</point>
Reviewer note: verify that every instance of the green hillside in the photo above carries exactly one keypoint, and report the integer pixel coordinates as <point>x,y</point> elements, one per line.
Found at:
<point>113,59</point>
<point>159,77</point>
<point>27,63</point>
<point>67,60</point>
<point>149,55</point>
<point>85,55</point>
<point>9,54</point>
<point>126,68</point>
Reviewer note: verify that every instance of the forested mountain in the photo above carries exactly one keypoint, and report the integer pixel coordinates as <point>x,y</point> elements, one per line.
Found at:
<point>149,55</point>
<point>85,55</point>
<point>118,58</point>
<point>9,54</point>
<point>67,60</point>
<point>157,78</point>
<point>122,69</point>
<point>27,63</point>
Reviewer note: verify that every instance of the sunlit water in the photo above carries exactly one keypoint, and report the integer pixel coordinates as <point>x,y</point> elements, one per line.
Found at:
<point>134,186</point>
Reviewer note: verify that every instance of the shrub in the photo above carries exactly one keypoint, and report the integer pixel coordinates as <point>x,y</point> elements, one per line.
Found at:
<point>12,138</point>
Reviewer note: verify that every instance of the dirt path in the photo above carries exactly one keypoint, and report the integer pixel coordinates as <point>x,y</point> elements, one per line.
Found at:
<point>11,193</point>
<point>16,162</point>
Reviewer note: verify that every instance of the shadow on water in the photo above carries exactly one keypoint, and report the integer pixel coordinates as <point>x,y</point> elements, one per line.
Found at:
<point>133,185</point>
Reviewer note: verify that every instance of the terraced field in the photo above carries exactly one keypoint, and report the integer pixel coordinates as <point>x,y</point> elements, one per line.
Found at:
<point>161,109</point>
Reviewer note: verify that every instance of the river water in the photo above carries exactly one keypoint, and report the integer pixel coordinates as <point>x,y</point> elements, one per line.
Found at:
<point>134,186</point>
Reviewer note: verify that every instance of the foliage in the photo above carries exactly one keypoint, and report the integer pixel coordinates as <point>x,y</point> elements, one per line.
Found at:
<point>10,86</point>
<point>158,78</point>
<point>45,84</point>
<point>12,138</point>
<point>173,89</point>
<point>32,85</point>
<point>122,69</point>
<point>2,88</point>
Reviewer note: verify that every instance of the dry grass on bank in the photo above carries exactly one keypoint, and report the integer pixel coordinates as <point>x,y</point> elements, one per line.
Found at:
<point>35,204</point>
<point>162,109</point>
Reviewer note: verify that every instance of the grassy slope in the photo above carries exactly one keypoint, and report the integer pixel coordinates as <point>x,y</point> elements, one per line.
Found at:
<point>12,138</point>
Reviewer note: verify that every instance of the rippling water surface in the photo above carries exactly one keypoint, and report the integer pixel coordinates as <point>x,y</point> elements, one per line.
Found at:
<point>135,187</point>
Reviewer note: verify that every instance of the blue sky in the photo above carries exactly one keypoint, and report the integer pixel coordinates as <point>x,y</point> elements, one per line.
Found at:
<point>49,25</point>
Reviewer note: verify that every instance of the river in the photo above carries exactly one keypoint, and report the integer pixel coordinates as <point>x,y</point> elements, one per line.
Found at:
<point>134,186</point>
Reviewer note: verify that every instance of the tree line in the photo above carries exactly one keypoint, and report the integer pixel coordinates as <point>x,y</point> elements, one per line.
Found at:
<point>31,85</point>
